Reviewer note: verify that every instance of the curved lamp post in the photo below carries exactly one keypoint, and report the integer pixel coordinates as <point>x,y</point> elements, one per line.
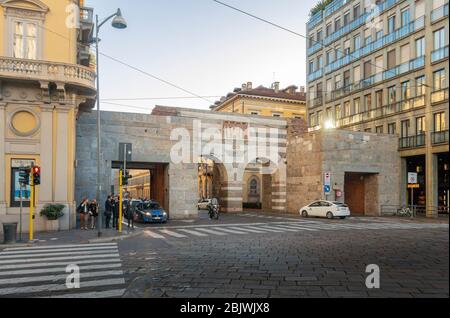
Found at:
<point>118,22</point>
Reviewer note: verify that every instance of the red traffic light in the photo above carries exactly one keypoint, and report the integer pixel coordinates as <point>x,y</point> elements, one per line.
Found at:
<point>36,170</point>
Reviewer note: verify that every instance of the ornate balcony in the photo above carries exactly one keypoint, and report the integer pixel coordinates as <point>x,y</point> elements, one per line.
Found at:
<point>36,70</point>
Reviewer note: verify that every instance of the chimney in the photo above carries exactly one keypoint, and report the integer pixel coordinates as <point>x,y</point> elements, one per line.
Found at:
<point>276,86</point>
<point>249,85</point>
<point>302,89</point>
<point>244,87</point>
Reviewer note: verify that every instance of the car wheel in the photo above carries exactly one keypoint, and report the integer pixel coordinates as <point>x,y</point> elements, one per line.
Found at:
<point>304,214</point>
<point>330,215</point>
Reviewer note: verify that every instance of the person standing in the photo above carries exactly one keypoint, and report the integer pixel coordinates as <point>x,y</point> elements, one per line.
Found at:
<point>116,212</point>
<point>93,211</point>
<point>130,212</point>
<point>84,213</point>
<point>108,211</point>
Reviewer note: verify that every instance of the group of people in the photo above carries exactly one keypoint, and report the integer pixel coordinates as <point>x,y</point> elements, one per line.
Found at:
<point>88,211</point>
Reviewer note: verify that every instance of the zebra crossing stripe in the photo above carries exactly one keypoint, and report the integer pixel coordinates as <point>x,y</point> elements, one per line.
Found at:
<point>47,264</point>
<point>153,234</point>
<point>104,294</point>
<point>58,250</point>
<point>23,280</point>
<point>209,231</point>
<point>192,232</point>
<point>59,287</point>
<point>58,247</point>
<point>301,227</point>
<point>9,256</point>
<point>271,229</point>
<point>249,230</point>
<point>58,258</point>
<point>58,269</point>
<point>171,233</point>
<point>286,228</point>
<point>233,231</point>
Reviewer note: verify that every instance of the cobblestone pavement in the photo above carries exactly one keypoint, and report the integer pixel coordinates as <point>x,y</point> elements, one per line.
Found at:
<point>251,255</point>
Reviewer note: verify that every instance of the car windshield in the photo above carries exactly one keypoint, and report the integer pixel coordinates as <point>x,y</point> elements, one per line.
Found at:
<point>151,205</point>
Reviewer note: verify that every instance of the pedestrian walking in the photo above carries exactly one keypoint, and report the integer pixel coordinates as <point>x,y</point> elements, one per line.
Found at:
<point>83,209</point>
<point>93,212</point>
<point>108,211</point>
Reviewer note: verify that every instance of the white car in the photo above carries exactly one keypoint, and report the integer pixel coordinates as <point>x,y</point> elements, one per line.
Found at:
<point>203,204</point>
<point>328,209</point>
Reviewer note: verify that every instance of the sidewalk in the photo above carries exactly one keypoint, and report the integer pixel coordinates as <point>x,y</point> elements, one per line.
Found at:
<point>72,237</point>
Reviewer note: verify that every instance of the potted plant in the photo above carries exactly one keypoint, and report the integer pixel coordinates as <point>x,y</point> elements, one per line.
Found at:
<point>53,212</point>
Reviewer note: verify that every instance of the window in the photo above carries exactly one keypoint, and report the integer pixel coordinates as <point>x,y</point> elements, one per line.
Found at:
<point>439,122</point>
<point>405,128</point>
<point>419,9</point>
<point>337,24</point>
<point>25,40</point>
<point>319,118</point>
<point>357,42</point>
<point>420,86</point>
<point>420,47</point>
<point>356,12</point>
<point>439,80</point>
<point>368,102</point>
<point>405,17</point>
<point>367,69</point>
<point>329,57</point>
<point>346,18</point>
<point>328,29</point>
<point>338,52</point>
<point>347,78</point>
<point>392,129</point>
<point>356,74</point>
<point>367,36</point>
<point>329,113</point>
<point>379,98</point>
<point>406,91</point>
<point>391,60</point>
<point>254,112</point>
<point>379,129</point>
<point>368,130</point>
<point>319,62</point>
<point>347,47</point>
<point>337,112</point>
<point>420,125</point>
<point>357,105</point>
<point>379,34</point>
<point>337,82</point>
<point>439,39</point>
<point>405,53</point>
<point>311,41</point>
<point>347,112</point>
<point>276,115</point>
<point>311,67</point>
<point>391,24</point>
<point>319,35</point>
<point>312,120</point>
<point>392,95</point>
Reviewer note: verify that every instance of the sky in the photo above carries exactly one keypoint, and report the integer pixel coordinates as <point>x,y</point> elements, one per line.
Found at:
<point>199,45</point>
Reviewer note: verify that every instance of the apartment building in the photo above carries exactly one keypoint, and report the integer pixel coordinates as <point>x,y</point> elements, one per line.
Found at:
<point>382,67</point>
<point>45,83</point>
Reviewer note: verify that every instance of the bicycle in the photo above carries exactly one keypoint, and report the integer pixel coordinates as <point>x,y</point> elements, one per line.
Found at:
<point>404,211</point>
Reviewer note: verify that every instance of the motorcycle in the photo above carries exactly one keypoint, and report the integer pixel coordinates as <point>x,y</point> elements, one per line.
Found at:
<point>214,209</point>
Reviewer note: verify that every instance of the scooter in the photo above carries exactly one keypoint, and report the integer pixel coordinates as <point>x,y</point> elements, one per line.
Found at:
<point>214,209</point>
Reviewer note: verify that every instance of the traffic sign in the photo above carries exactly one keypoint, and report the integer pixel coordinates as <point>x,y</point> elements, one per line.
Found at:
<point>414,186</point>
<point>412,177</point>
<point>327,189</point>
<point>327,179</point>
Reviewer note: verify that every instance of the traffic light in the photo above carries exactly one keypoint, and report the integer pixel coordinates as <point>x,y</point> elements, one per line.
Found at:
<point>24,176</point>
<point>36,175</point>
<point>126,177</point>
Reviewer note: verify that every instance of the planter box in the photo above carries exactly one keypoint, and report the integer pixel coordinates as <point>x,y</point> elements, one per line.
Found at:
<point>51,225</point>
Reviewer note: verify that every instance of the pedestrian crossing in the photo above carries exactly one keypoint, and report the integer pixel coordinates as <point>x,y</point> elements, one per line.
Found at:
<point>51,271</point>
<point>205,231</point>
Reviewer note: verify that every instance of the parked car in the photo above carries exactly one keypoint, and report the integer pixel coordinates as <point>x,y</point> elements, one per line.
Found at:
<point>203,204</point>
<point>150,212</point>
<point>328,209</point>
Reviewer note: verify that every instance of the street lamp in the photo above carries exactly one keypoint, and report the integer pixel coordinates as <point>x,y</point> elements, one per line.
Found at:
<point>118,22</point>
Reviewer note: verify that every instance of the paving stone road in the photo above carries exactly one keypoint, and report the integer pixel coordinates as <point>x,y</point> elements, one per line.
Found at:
<point>256,256</point>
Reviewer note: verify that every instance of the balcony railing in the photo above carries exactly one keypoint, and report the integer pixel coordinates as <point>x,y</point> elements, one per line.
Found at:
<point>439,13</point>
<point>334,6</point>
<point>439,54</point>
<point>314,20</point>
<point>412,141</point>
<point>87,15</point>
<point>439,96</point>
<point>47,71</point>
<point>386,110</point>
<point>315,75</point>
<point>318,101</point>
<point>377,44</point>
<point>314,48</point>
<point>439,137</point>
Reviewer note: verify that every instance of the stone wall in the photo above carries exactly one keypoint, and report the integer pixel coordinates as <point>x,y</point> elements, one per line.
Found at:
<point>310,155</point>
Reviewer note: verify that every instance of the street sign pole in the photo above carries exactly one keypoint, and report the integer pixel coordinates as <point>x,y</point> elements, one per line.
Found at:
<point>21,207</point>
<point>120,201</point>
<point>31,206</point>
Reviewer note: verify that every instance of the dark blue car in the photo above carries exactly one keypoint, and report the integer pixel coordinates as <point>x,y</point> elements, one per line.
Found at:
<point>150,212</point>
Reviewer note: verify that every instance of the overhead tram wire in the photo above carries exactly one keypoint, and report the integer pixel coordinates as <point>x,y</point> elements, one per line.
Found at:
<point>300,35</point>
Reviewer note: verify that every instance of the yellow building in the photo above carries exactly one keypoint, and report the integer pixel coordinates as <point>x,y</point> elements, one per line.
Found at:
<point>45,81</point>
<point>263,101</point>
